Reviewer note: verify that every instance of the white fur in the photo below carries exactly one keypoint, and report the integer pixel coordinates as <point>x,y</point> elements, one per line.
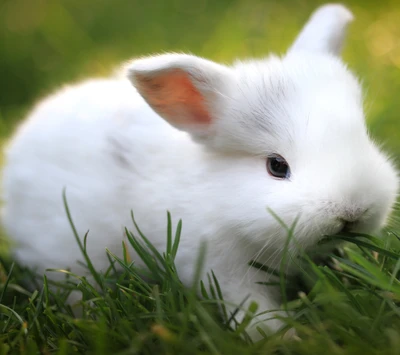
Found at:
<point>113,153</point>
<point>325,30</point>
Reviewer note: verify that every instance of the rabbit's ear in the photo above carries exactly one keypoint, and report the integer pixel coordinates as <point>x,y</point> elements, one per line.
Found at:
<point>325,30</point>
<point>183,89</point>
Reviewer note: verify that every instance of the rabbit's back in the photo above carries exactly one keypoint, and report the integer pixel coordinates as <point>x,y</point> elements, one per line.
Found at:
<point>92,139</point>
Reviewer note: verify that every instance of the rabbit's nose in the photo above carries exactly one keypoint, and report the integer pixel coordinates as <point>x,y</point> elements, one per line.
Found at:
<point>351,217</point>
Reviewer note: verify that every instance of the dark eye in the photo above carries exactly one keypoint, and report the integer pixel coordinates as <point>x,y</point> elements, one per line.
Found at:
<point>278,167</point>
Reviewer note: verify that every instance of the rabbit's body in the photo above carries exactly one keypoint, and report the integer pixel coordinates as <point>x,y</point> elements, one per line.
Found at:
<point>113,153</point>
<point>106,152</point>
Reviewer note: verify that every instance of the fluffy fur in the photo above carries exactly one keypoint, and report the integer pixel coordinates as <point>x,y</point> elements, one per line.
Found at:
<point>192,137</point>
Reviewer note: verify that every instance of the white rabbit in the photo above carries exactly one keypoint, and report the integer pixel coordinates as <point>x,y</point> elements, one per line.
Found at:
<point>216,145</point>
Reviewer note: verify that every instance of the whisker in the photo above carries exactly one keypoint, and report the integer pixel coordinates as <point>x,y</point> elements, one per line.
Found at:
<point>255,257</point>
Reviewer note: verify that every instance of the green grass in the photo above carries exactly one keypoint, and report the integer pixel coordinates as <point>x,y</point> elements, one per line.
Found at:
<point>346,305</point>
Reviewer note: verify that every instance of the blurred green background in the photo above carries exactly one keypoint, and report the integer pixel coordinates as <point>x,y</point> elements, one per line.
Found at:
<point>45,43</point>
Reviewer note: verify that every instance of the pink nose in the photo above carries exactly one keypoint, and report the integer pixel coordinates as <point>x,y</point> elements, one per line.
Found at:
<point>351,215</point>
<point>350,218</point>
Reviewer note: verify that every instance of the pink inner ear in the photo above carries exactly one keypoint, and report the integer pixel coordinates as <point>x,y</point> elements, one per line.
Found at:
<point>174,97</point>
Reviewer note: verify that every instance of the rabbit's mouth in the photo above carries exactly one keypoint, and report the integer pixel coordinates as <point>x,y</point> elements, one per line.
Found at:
<point>342,227</point>
<point>334,236</point>
<point>329,239</point>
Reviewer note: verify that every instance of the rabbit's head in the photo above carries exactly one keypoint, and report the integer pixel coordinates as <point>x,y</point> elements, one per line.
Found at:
<point>281,133</point>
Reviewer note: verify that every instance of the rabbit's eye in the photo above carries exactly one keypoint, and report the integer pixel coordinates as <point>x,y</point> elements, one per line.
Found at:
<point>278,167</point>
